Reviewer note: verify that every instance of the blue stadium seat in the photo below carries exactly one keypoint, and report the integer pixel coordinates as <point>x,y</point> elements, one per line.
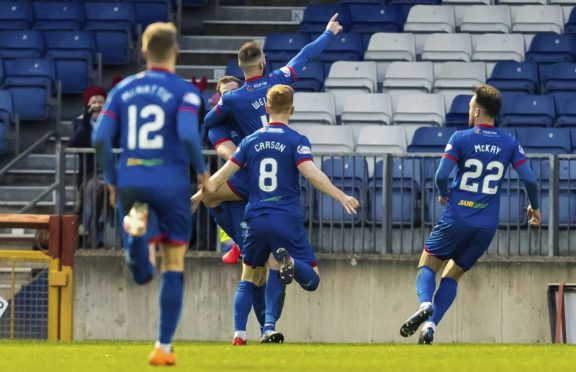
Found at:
<point>547,141</point>
<point>21,44</point>
<point>430,139</point>
<point>371,18</point>
<point>565,110</point>
<point>15,15</point>
<point>566,194</point>
<point>350,175</point>
<point>406,180</point>
<point>570,26</point>
<point>281,47</point>
<point>232,69</point>
<point>6,116</point>
<point>458,115</point>
<point>31,83</point>
<point>58,16</point>
<point>194,3</point>
<point>432,210</point>
<point>114,26</point>
<point>512,76</point>
<point>558,77</point>
<point>306,198</point>
<point>513,200</point>
<point>310,78</point>
<point>343,47</point>
<point>552,48</point>
<point>414,2</point>
<point>527,110</point>
<point>317,16</point>
<point>3,139</point>
<point>150,11</point>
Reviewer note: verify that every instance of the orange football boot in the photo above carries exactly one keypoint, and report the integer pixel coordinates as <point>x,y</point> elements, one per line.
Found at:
<point>159,358</point>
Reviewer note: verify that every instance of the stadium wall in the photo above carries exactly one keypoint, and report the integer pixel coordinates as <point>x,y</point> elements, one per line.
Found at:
<point>362,299</point>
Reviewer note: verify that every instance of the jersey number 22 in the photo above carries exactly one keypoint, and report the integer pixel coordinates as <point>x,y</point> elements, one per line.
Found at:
<point>476,167</point>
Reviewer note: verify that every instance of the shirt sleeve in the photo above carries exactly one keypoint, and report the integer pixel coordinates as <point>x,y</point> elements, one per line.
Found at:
<point>303,151</point>
<point>283,75</point>
<point>451,151</point>
<point>240,157</point>
<point>218,112</point>
<point>218,135</point>
<point>518,155</point>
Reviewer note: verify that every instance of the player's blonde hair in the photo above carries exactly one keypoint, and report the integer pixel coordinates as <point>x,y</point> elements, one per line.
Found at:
<point>249,55</point>
<point>159,41</point>
<point>225,80</point>
<point>280,99</point>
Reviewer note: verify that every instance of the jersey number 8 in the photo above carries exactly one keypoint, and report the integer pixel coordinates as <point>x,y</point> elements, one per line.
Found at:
<point>140,136</point>
<point>475,173</point>
<point>268,181</point>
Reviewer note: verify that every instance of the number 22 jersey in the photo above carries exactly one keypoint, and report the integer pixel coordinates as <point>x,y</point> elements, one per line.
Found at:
<point>482,154</point>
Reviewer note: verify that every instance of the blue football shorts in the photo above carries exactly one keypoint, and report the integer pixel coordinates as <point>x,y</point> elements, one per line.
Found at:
<point>461,243</point>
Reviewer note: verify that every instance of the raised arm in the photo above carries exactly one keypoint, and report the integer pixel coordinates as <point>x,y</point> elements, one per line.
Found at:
<point>319,180</point>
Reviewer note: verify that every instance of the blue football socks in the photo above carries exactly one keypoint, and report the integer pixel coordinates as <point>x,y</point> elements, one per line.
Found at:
<point>425,284</point>
<point>275,292</point>
<point>259,304</point>
<point>443,298</point>
<point>242,304</point>
<point>138,258</point>
<point>305,276</point>
<point>171,296</point>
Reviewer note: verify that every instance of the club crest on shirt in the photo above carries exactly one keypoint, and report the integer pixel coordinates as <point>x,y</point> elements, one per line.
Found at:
<point>304,150</point>
<point>477,130</point>
<point>286,71</point>
<point>192,98</point>
<point>448,147</point>
<point>521,150</point>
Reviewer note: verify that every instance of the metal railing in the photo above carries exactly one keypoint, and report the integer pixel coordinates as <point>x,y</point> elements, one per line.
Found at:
<point>399,207</point>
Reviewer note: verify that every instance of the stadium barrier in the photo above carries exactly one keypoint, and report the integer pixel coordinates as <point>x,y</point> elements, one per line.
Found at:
<point>36,286</point>
<point>398,207</point>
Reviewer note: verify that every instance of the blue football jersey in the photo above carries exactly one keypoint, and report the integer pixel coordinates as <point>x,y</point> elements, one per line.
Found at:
<point>272,155</point>
<point>145,108</point>
<point>483,154</point>
<point>248,103</point>
<point>229,131</point>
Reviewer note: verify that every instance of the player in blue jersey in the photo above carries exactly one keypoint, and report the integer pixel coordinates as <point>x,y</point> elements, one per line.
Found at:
<point>470,218</point>
<point>274,157</point>
<point>155,113</point>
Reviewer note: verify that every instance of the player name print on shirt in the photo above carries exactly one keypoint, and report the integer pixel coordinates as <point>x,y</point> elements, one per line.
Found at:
<point>487,148</point>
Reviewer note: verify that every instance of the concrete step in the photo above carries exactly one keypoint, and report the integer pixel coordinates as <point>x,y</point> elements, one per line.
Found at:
<point>215,42</point>
<point>213,73</point>
<point>206,57</point>
<point>45,162</point>
<point>276,14</point>
<point>256,28</point>
<point>14,196</point>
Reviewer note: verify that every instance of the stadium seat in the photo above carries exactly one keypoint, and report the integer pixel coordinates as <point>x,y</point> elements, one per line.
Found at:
<point>359,76</point>
<point>232,69</point>
<point>447,47</point>
<point>194,3</point>
<point>565,110</point>
<point>496,47</point>
<point>431,18</point>
<point>417,76</point>
<point>567,191</point>
<point>430,139</point>
<point>62,16</point>
<point>317,16</point>
<point>406,178</point>
<point>31,83</point>
<point>522,2</point>
<point>547,141</point>
<point>310,78</point>
<point>552,48</point>
<point>512,76</point>
<point>73,53</point>
<point>570,26</point>
<point>327,138</point>
<point>483,19</point>
<point>414,2</point>
<point>527,110</point>
<point>150,11</point>
<point>513,200</point>
<point>21,44</point>
<point>558,77</point>
<point>457,116</point>
<point>459,75</point>
<point>114,26</point>
<point>420,109</point>
<point>433,210</point>
<point>537,18</point>
<point>314,108</point>
<point>368,108</point>
<point>382,139</point>
<point>371,18</point>
<point>350,175</point>
<point>6,118</point>
<point>281,47</point>
<point>468,3</point>
<point>343,47</point>
<point>385,48</point>
<point>15,15</point>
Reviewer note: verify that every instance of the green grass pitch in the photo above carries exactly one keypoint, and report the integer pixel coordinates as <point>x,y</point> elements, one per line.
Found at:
<point>129,356</point>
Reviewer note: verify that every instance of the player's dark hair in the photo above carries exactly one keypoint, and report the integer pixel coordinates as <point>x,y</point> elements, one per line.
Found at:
<point>159,40</point>
<point>249,54</point>
<point>227,79</point>
<point>488,99</point>
<point>280,98</point>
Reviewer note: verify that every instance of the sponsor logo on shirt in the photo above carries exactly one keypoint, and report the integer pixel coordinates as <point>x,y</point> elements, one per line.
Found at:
<point>286,71</point>
<point>471,204</point>
<point>272,199</point>
<point>275,130</point>
<point>304,150</point>
<point>130,162</point>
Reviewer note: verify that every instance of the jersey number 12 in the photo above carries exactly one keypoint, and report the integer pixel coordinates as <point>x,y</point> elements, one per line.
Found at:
<point>140,136</point>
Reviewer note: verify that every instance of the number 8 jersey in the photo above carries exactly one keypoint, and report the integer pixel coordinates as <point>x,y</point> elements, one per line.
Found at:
<point>483,154</point>
<point>145,107</point>
<point>272,155</point>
